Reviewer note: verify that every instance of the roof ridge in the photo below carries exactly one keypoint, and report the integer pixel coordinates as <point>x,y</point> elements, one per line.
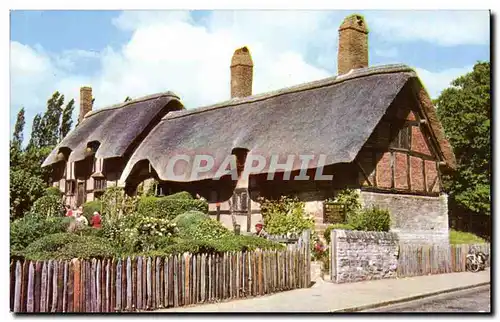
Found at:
<point>137,100</point>
<point>353,74</point>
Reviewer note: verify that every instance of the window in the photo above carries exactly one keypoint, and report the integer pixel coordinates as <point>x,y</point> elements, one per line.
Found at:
<point>402,139</point>
<point>70,187</point>
<point>239,201</point>
<point>99,184</point>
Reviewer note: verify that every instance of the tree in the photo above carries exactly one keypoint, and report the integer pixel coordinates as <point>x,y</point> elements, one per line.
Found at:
<point>51,120</point>
<point>28,179</point>
<point>66,120</point>
<point>24,190</point>
<point>17,137</point>
<point>127,99</point>
<point>35,132</point>
<point>464,109</point>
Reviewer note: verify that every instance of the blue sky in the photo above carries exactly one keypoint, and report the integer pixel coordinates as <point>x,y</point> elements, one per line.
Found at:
<point>136,53</point>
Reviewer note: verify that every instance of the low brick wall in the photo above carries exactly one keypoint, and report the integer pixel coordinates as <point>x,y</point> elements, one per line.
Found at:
<point>360,256</point>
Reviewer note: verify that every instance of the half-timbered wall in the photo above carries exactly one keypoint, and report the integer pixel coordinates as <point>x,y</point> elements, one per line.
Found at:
<point>400,156</point>
<point>399,171</point>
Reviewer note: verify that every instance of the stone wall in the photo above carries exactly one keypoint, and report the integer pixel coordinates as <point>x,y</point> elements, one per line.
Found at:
<point>416,219</point>
<point>360,256</point>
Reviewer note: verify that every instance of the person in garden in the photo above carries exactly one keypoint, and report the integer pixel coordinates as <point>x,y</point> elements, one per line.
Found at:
<point>80,218</point>
<point>95,222</point>
<point>69,211</point>
<point>259,231</point>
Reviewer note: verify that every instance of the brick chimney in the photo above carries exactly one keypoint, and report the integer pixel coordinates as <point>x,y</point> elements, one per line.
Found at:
<point>85,102</point>
<point>353,44</point>
<point>241,73</point>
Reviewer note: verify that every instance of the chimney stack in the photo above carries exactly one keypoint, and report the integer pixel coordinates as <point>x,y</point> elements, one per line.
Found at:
<point>353,44</point>
<point>241,73</point>
<point>85,102</point>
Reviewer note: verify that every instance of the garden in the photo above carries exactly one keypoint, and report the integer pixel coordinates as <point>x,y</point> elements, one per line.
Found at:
<point>131,226</point>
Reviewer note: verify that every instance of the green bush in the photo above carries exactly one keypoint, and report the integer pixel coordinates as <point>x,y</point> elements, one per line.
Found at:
<point>349,199</point>
<point>286,215</point>
<point>329,229</point>
<point>460,237</point>
<point>227,243</point>
<point>25,189</point>
<point>90,207</point>
<point>370,219</point>
<point>116,203</point>
<point>136,233</point>
<point>53,191</point>
<point>168,207</point>
<point>26,230</point>
<point>207,229</point>
<point>48,206</point>
<point>189,218</point>
<point>180,195</point>
<point>67,246</point>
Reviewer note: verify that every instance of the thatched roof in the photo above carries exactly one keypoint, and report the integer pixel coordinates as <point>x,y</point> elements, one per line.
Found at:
<point>333,116</point>
<point>114,128</point>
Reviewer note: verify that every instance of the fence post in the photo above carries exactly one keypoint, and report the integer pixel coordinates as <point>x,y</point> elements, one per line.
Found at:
<point>306,238</point>
<point>333,255</point>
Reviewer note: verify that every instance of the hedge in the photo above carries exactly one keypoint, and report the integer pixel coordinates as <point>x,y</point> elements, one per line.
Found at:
<point>370,219</point>
<point>206,229</point>
<point>180,195</point>
<point>28,229</point>
<point>189,218</point>
<point>227,243</point>
<point>67,246</point>
<point>48,206</point>
<point>168,207</point>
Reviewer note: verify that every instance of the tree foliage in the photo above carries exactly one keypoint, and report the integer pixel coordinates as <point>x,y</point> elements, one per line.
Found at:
<point>464,109</point>
<point>24,190</point>
<point>50,122</point>
<point>36,132</point>
<point>285,216</point>
<point>28,179</point>
<point>66,120</point>
<point>17,137</point>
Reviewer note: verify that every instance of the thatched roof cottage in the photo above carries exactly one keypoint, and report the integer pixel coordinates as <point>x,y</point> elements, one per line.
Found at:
<point>375,126</point>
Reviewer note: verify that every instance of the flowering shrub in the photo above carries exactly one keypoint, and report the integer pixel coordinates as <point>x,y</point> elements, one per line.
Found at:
<point>116,203</point>
<point>285,215</point>
<point>137,233</point>
<point>320,252</point>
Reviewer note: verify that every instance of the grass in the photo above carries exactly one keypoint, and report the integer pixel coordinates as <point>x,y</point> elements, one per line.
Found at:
<point>459,237</point>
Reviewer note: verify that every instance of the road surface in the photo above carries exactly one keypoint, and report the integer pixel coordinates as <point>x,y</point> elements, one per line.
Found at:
<point>471,300</point>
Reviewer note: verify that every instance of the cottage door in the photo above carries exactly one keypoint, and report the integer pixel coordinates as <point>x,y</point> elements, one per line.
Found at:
<point>80,197</point>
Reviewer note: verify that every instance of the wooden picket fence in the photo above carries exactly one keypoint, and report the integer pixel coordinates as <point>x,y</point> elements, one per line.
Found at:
<point>433,259</point>
<point>144,283</point>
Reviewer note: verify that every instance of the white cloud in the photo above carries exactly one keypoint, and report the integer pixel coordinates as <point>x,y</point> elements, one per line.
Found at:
<point>445,28</point>
<point>435,82</point>
<point>169,51</point>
